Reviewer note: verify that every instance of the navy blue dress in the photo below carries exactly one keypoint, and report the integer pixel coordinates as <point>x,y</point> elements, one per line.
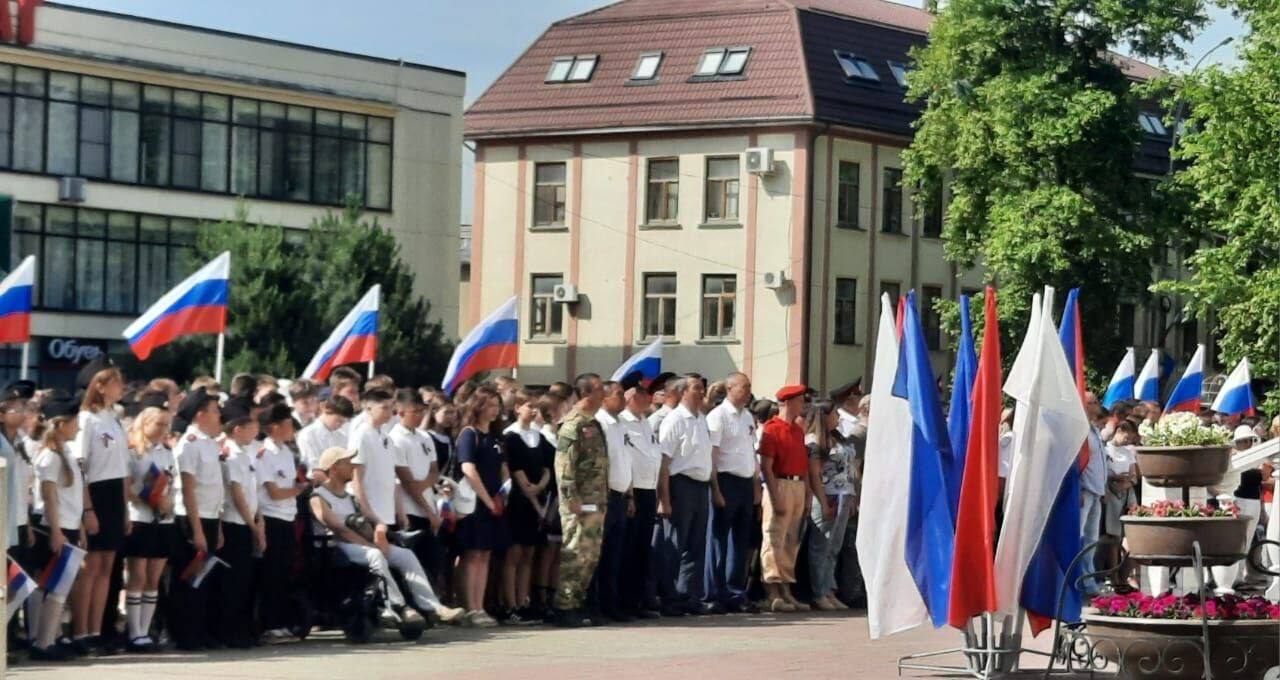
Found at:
<point>481,530</point>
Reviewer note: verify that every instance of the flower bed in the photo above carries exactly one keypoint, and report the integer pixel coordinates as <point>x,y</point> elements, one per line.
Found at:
<point>1179,509</point>
<point>1170,607</point>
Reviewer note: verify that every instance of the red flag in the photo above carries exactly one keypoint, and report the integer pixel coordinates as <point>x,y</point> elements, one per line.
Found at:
<point>6,22</point>
<point>902,311</point>
<point>973,576</point>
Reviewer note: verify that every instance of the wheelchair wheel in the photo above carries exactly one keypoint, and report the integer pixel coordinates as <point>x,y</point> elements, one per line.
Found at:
<point>358,628</point>
<point>412,631</point>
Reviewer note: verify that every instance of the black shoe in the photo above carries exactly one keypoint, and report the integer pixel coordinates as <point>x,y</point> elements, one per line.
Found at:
<point>748,607</point>
<point>617,616</point>
<point>142,645</point>
<point>80,647</point>
<point>53,653</point>
<point>568,618</point>
<point>704,608</point>
<point>672,610</point>
<point>103,646</point>
<point>595,617</point>
<point>211,642</point>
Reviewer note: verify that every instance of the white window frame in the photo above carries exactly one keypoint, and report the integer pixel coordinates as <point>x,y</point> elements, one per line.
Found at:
<point>641,73</point>
<point>558,72</point>
<point>716,62</point>
<point>1152,125</point>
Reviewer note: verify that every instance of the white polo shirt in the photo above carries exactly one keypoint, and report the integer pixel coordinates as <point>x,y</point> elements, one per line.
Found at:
<point>416,451</point>
<point>139,468</point>
<point>103,446</point>
<point>373,452</point>
<point>50,468</point>
<point>200,456</point>
<point>685,439</point>
<point>276,465</point>
<point>641,443</point>
<point>313,439</point>
<point>240,468</point>
<point>619,456</point>
<point>733,430</point>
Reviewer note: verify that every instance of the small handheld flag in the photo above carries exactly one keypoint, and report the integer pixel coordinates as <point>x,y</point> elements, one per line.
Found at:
<point>1148,385</point>
<point>19,588</point>
<point>62,570</point>
<point>647,361</point>
<point>199,567</point>
<point>154,486</point>
<point>15,302</point>
<point>1122,381</point>
<point>1186,394</point>
<point>1236,395</point>
<point>493,344</point>
<point>196,306</point>
<point>448,518</point>
<point>354,341</point>
<point>500,500</point>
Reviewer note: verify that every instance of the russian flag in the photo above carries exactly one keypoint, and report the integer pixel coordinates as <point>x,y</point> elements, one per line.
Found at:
<point>62,570</point>
<point>500,499</point>
<point>197,305</point>
<point>20,586</point>
<point>495,343</point>
<point>1186,394</point>
<point>1236,395</point>
<point>648,361</point>
<point>198,570</point>
<point>958,416</point>
<point>15,302</point>
<point>354,341</point>
<point>1148,386</point>
<point>1122,381</point>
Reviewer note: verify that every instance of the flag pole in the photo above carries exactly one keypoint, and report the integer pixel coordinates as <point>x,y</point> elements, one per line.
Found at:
<point>217,365</point>
<point>370,376</point>
<point>26,355</point>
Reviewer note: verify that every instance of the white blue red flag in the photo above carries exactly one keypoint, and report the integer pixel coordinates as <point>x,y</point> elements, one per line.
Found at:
<point>1148,385</point>
<point>19,588</point>
<point>354,341</point>
<point>1122,381</point>
<point>1186,394</point>
<point>62,570</point>
<point>647,361</point>
<point>493,344</point>
<point>199,568</point>
<point>15,302</point>
<point>1236,395</point>
<point>196,306</point>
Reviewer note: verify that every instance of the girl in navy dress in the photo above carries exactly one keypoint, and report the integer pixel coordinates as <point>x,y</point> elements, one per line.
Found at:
<point>483,531</point>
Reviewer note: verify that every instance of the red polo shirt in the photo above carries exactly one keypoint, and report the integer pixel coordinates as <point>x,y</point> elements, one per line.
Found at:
<point>782,444</point>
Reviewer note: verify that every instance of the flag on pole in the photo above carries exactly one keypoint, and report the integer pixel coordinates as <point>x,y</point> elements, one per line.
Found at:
<point>61,572</point>
<point>19,588</point>
<point>647,361</point>
<point>1049,426</point>
<point>1236,395</point>
<point>1186,394</point>
<point>354,341</point>
<point>958,417</point>
<point>15,301</point>
<point>1072,337</point>
<point>893,603</point>
<point>197,305</point>
<point>198,569</point>
<point>495,343</point>
<point>973,580</point>
<point>1122,381</point>
<point>931,520</point>
<point>1148,386</point>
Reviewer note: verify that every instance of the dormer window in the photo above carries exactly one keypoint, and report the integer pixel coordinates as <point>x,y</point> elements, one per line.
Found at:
<point>723,61</point>
<point>647,67</point>
<point>856,67</point>
<point>900,71</point>
<point>572,69</point>
<point>1152,125</point>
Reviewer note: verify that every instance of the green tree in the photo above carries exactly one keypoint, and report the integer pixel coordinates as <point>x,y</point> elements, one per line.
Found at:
<point>1233,177</point>
<point>1032,125</point>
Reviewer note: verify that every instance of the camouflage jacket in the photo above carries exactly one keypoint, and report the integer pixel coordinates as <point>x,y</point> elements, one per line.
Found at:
<point>582,460</point>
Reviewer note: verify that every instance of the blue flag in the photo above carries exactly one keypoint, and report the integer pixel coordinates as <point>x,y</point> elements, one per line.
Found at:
<point>931,519</point>
<point>961,411</point>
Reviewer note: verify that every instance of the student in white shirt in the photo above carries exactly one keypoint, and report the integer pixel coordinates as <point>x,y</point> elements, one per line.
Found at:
<point>686,443</point>
<point>329,429</point>
<point>416,472</point>
<point>303,397</point>
<point>375,464</point>
<point>201,490</point>
<point>152,469</point>
<point>242,530</point>
<point>65,499</point>
<point>279,485</point>
<point>646,458</point>
<point>735,493</point>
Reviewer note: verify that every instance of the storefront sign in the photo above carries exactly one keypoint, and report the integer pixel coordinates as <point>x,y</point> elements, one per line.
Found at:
<point>74,351</point>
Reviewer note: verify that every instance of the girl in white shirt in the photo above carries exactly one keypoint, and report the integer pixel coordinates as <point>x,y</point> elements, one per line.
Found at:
<point>65,500</point>
<point>151,475</point>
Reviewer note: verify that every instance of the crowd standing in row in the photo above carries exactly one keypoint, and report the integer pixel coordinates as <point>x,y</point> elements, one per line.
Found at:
<point>580,504</point>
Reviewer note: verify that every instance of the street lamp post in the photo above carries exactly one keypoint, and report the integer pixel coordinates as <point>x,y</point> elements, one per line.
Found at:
<point>1177,111</point>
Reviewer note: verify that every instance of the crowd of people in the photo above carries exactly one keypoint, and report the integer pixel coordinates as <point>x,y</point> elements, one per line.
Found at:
<point>204,512</point>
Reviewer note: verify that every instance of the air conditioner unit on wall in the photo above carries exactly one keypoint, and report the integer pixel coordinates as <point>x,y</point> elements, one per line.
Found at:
<point>71,189</point>
<point>565,292</point>
<point>760,160</point>
<point>775,280</point>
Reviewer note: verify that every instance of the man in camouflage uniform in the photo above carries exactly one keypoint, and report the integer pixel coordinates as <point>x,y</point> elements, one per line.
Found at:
<point>582,477</point>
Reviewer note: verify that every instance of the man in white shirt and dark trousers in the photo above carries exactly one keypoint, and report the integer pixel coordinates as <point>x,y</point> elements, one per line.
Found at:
<point>686,443</point>
<point>735,493</point>
<point>637,599</point>
<point>609,569</point>
<point>200,488</point>
<point>242,528</point>
<point>329,429</point>
<point>279,485</point>
<point>375,464</point>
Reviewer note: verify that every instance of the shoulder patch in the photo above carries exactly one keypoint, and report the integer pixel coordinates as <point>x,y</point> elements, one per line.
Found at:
<point>191,437</point>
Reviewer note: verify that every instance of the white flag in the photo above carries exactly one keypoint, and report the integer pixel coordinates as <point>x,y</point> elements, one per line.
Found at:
<point>893,601</point>
<point>1049,426</point>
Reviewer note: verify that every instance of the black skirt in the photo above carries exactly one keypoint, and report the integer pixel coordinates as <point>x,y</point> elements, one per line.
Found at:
<point>481,530</point>
<point>524,522</point>
<point>151,540</point>
<point>108,505</point>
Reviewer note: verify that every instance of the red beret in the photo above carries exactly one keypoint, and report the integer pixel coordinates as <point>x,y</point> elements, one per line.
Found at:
<point>791,392</point>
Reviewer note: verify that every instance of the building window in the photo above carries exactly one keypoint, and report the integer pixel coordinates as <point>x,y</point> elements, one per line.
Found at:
<point>659,305</point>
<point>932,222</point>
<point>721,61</point>
<point>60,123</point>
<point>101,261</point>
<point>856,67</point>
<point>846,311</point>
<point>647,67</point>
<point>900,72</point>
<point>894,289</point>
<point>572,69</point>
<point>929,316</point>
<point>1190,337</point>
<point>719,294</point>
<point>891,219</point>
<point>722,189</point>
<point>546,317</point>
<point>1152,125</point>
<point>848,194</point>
<point>549,194</point>
<point>664,190</point>
<point>1128,323</point>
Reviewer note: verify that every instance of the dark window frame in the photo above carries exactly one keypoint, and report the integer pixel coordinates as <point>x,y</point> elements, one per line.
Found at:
<point>559,202</point>
<point>855,188</point>
<point>845,313</point>
<point>735,182</point>
<point>666,194</point>
<point>891,201</point>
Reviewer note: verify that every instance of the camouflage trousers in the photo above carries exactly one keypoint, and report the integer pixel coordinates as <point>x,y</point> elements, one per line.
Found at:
<point>579,554</point>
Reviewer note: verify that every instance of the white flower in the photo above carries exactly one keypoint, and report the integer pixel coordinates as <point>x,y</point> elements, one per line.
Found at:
<point>1183,429</point>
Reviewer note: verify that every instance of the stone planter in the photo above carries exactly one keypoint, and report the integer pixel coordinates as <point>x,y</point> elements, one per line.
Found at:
<point>1170,650</point>
<point>1167,540</point>
<point>1166,466</point>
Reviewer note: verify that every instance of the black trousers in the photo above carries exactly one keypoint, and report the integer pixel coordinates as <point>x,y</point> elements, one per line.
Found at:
<point>235,585</point>
<point>277,570</point>
<point>636,550</point>
<point>609,569</point>
<point>731,539</point>
<point>429,550</point>
<point>686,534</point>
<point>191,606</point>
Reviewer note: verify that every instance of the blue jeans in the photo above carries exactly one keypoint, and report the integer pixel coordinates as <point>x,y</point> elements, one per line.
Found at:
<point>731,528</point>
<point>825,540</point>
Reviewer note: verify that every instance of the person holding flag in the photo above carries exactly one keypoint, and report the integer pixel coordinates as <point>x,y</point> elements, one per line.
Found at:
<point>202,491</point>
<point>152,468</point>
<point>61,485</point>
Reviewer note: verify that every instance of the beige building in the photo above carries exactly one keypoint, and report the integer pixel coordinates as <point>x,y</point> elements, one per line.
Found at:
<point>120,136</point>
<point>728,179</point>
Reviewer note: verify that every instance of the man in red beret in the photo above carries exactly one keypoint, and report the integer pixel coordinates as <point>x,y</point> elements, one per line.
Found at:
<point>784,461</point>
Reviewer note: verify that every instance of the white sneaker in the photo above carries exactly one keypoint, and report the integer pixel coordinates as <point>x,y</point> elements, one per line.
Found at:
<point>277,636</point>
<point>445,614</point>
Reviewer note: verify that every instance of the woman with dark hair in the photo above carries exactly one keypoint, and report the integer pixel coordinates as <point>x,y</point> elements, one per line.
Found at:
<point>527,453</point>
<point>103,449</point>
<point>483,531</point>
<point>552,409</point>
<point>832,471</point>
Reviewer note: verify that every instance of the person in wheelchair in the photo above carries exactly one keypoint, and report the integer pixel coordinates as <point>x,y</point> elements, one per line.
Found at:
<point>337,515</point>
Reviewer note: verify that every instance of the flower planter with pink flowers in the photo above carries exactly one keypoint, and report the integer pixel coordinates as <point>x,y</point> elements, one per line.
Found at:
<point>1163,533</point>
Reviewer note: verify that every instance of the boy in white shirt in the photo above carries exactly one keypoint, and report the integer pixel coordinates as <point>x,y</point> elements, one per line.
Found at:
<point>375,464</point>
<point>279,486</point>
<point>201,489</point>
<point>329,429</point>
<point>242,527</point>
